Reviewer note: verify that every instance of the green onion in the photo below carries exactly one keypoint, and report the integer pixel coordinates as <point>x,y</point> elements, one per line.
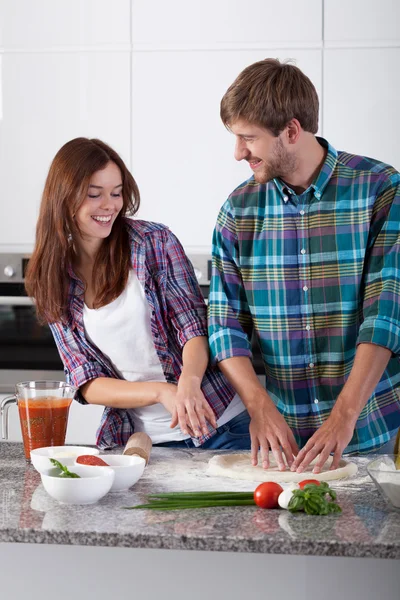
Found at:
<point>185,500</point>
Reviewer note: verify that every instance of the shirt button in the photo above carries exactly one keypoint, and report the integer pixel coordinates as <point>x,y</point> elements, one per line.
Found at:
<point>285,198</point>
<point>305,288</point>
<point>156,335</point>
<point>302,212</point>
<point>302,251</point>
<point>317,195</point>
<point>153,312</point>
<point>308,327</point>
<point>311,365</point>
<point>316,401</point>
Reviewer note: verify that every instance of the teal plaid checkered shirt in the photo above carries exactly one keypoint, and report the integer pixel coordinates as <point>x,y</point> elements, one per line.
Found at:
<point>314,275</point>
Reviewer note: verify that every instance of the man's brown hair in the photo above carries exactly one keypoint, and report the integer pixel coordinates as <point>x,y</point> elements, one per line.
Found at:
<point>47,278</point>
<point>269,93</point>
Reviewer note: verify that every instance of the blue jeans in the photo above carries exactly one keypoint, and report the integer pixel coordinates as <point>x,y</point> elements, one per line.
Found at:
<point>234,435</point>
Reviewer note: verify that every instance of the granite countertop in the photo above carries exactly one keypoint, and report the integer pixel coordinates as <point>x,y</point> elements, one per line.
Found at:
<point>367,527</point>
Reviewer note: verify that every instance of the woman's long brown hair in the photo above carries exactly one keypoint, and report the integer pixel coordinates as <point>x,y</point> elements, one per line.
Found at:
<point>47,279</point>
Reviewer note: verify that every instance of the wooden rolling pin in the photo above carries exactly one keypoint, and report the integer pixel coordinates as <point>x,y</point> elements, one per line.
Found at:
<point>139,444</point>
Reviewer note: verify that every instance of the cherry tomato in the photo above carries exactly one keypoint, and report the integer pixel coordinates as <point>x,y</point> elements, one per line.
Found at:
<point>307,481</point>
<point>266,494</point>
<point>89,459</point>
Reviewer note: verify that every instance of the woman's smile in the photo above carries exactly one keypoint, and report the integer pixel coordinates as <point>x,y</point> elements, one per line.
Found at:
<point>102,220</point>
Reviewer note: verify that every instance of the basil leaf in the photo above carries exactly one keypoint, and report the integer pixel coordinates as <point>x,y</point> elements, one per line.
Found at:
<point>64,470</point>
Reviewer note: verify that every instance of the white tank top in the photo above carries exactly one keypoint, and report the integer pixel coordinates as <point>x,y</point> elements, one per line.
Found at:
<point>122,332</point>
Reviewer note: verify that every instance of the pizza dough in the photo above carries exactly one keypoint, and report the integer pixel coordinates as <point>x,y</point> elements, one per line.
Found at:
<point>238,466</point>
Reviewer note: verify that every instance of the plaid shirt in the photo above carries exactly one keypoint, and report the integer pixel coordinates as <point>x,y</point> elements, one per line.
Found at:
<point>178,313</point>
<point>314,275</point>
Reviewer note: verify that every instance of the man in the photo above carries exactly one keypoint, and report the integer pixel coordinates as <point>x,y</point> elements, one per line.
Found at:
<point>306,253</point>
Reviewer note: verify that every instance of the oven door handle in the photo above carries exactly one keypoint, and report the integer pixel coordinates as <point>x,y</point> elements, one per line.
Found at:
<point>16,301</point>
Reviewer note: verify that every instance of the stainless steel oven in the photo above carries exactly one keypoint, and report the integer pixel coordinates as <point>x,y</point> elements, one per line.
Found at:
<point>27,349</point>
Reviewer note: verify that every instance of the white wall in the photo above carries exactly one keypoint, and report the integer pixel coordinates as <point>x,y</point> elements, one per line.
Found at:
<point>147,77</point>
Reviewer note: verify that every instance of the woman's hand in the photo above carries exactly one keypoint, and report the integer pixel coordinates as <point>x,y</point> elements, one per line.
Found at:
<point>191,408</point>
<point>167,396</point>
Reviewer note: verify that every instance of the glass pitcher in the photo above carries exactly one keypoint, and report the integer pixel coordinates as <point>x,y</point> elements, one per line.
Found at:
<point>43,408</point>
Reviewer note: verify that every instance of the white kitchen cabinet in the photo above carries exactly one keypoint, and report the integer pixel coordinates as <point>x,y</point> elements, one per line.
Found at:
<point>182,155</point>
<point>49,99</point>
<point>361,91</point>
<point>225,23</point>
<point>44,23</point>
<point>361,22</point>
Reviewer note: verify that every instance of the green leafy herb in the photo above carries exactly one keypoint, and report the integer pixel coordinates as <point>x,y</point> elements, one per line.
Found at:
<point>312,499</point>
<point>64,470</point>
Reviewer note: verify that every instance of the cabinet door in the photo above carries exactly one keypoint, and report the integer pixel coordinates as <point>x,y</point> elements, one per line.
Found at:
<point>361,91</point>
<point>44,24</point>
<point>226,23</point>
<point>364,22</point>
<point>182,155</point>
<point>49,99</point>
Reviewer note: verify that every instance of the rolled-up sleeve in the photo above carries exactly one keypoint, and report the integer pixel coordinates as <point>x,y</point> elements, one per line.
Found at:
<point>229,317</point>
<point>381,303</point>
<point>186,306</point>
<point>78,367</point>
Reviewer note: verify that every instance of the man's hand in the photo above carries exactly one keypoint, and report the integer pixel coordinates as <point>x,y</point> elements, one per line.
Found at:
<point>268,429</point>
<point>333,436</point>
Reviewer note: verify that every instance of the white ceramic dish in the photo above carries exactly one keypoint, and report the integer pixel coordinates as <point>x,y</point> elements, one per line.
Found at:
<point>65,454</point>
<point>93,483</point>
<point>128,469</point>
<point>386,477</point>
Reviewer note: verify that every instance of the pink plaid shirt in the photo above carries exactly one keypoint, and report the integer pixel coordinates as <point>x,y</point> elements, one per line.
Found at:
<point>178,313</point>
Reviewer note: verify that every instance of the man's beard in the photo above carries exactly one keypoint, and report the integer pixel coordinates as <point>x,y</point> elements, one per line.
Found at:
<point>281,164</point>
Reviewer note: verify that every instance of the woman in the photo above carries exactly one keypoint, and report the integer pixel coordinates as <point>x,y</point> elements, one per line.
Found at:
<point>125,309</point>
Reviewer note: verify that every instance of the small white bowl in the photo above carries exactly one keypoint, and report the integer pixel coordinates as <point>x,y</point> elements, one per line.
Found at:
<point>40,457</point>
<point>93,483</point>
<point>386,477</point>
<point>128,469</point>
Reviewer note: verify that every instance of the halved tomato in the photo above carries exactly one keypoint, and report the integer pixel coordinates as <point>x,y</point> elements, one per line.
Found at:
<point>90,459</point>
<point>307,481</point>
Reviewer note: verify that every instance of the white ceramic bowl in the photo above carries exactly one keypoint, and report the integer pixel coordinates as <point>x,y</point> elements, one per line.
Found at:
<point>65,454</point>
<point>128,469</point>
<point>386,477</point>
<point>93,484</point>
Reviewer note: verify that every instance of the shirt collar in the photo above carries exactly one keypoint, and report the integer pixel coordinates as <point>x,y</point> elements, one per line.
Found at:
<point>323,177</point>
<point>321,181</point>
